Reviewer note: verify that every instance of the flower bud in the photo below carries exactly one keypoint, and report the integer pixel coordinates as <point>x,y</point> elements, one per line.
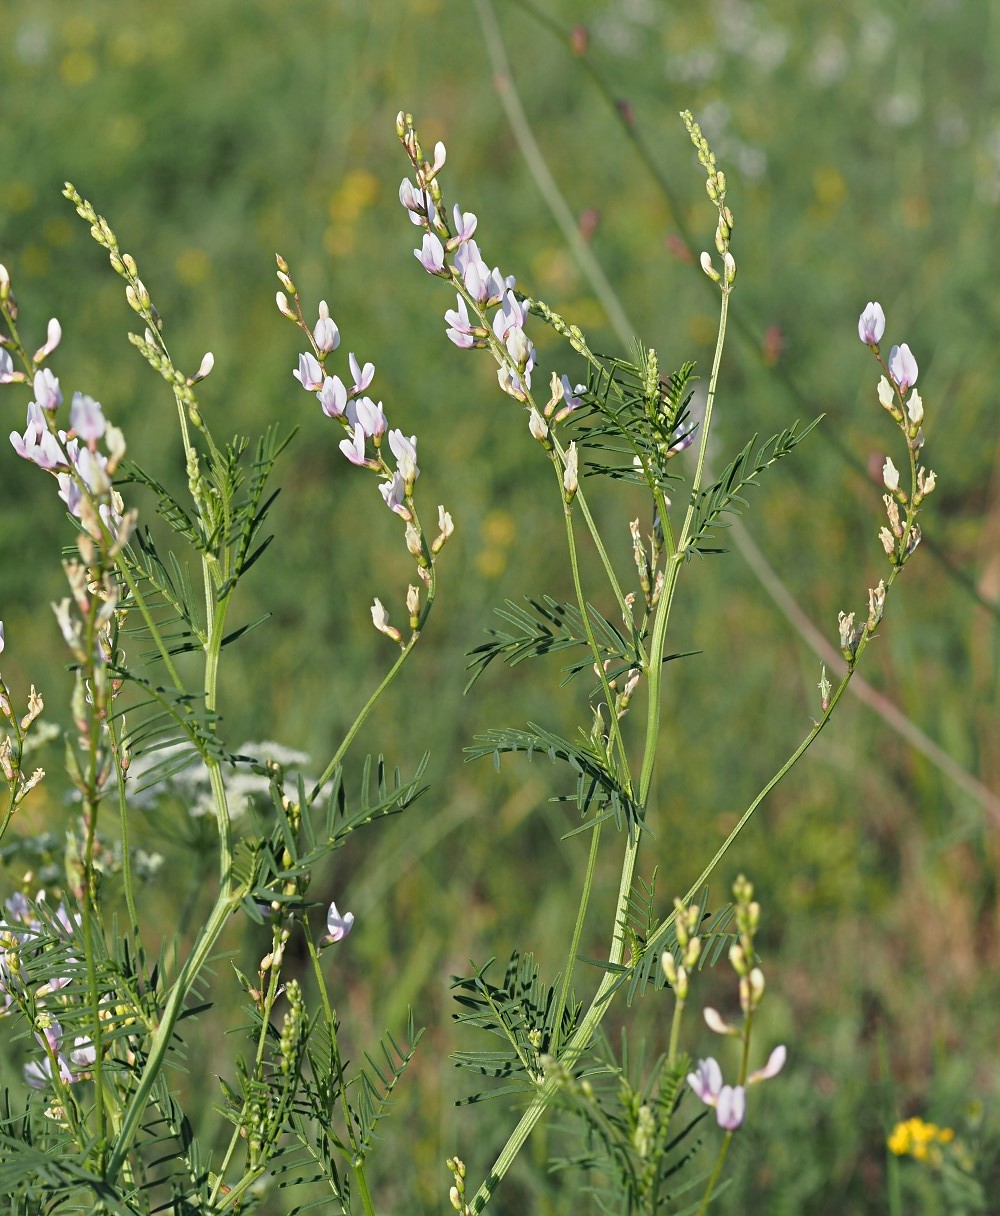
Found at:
<point>890,475</point>
<point>571,480</point>
<point>915,409</point>
<point>538,427</point>
<point>729,264</point>
<point>848,637</point>
<point>709,269</point>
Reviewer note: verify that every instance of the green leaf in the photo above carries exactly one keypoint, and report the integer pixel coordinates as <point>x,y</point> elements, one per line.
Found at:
<point>725,496</point>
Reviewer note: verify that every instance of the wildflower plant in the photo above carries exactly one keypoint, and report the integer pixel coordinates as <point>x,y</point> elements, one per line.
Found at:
<point>102,1007</point>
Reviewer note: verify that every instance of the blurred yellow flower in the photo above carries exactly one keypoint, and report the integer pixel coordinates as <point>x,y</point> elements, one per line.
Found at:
<point>915,1138</point>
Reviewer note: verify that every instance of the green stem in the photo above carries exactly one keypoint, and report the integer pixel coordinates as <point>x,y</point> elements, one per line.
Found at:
<point>225,905</point>
<point>595,837</point>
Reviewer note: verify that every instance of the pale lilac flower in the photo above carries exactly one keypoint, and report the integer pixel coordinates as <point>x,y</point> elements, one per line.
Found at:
<point>511,316</point>
<point>38,444</point>
<point>465,224</point>
<point>731,1107</point>
<point>417,202</point>
<point>87,418</point>
<point>52,339</point>
<point>6,367</point>
<point>309,373</point>
<point>362,376</point>
<point>405,451</point>
<point>430,255</point>
<point>84,1053</point>
<point>871,324</point>
<point>333,397</point>
<point>730,1100</point>
<point>460,327</point>
<point>890,475</point>
<point>47,392</point>
<point>775,1063</point>
<point>474,271</point>
<point>571,397</point>
<point>38,1076</point>
<point>903,367</point>
<point>354,448</point>
<point>371,417</point>
<point>338,926</point>
<point>326,335</point>
<point>707,1081</point>
<point>394,493</point>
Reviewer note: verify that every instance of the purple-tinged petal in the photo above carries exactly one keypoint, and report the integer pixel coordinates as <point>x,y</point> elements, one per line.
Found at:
<point>87,418</point>
<point>871,324</point>
<point>371,417</point>
<point>333,397</point>
<point>362,376</point>
<point>394,493</point>
<point>338,926</point>
<point>903,367</point>
<point>6,367</point>
<point>309,373</point>
<point>47,392</point>
<point>774,1065</point>
<point>465,223</point>
<point>430,255</point>
<point>354,448</point>
<point>707,1081</point>
<point>731,1107</point>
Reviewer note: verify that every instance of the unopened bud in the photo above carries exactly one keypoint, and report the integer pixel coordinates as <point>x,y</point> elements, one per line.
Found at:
<point>538,427</point>
<point>571,481</point>
<point>709,269</point>
<point>729,264</point>
<point>848,638</point>
<point>890,475</point>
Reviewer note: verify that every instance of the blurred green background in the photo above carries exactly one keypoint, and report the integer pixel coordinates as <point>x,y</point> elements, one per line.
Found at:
<point>862,146</point>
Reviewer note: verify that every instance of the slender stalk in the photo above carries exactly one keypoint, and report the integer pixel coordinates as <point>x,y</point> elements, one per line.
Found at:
<point>574,946</point>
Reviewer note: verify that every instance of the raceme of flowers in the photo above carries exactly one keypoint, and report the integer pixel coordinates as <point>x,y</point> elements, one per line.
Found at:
<point>449,251</point>
<point>80,468</point>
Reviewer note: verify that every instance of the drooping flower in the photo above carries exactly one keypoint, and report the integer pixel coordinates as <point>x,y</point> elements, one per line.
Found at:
<point>47,392</point>
<point>394,493</point>
<point>459,326</point>
<point>333,397</point>
<point>871,324</point>
<point>309,373</point>
<point>354,448</point>
<point>87,418</point>
<point>430,255</point>
<point>371,417</point>
<point>903,367</point>
<point>38,444</point>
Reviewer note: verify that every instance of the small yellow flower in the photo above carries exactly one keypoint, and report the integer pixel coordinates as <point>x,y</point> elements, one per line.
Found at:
<point>915,1138</point>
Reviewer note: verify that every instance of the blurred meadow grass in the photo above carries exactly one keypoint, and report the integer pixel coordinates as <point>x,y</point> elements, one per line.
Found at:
<point>862,146</point>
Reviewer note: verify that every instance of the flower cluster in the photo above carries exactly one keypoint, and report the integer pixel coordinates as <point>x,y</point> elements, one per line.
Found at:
<point>23,935</point>
<point>82,470</point>
<point>917,1139</point>
<point>729,1101</point>
<point>498,314</point>
<point>901,535</point>
<point>367,437</point>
